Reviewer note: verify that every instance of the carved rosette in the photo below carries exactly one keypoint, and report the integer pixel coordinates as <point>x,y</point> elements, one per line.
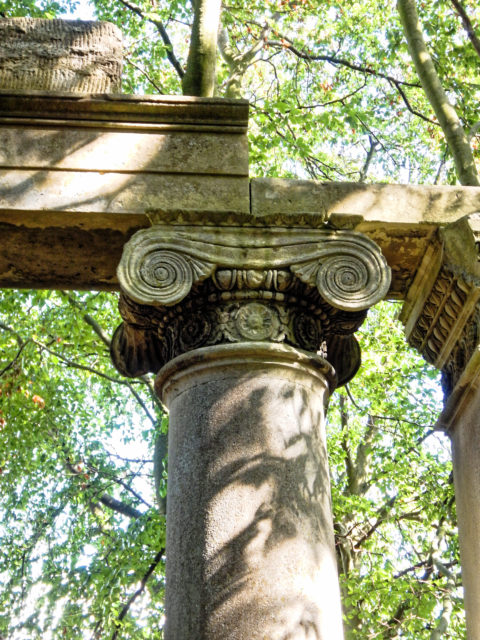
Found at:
<point>186,287</point>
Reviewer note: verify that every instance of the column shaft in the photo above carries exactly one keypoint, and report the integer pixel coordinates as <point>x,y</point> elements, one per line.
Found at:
<point>465,437</point>
<point>250,548</point>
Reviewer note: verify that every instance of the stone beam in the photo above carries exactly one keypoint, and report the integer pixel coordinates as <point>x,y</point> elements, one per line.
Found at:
<point>79,174</point>
<point>402,219</point>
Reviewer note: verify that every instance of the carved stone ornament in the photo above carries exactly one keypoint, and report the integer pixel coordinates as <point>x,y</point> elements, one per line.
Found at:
<point>160,264</point>
<point>442,309</point>
<point>189,287</point>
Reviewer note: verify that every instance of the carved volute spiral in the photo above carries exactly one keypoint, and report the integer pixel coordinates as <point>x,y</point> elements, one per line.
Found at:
<point>181,291</point>
<point>152,274</point>
<point>351,273</point>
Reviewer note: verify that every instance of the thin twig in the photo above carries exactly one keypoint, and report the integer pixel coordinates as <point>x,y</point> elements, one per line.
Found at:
<point>163,34</point>
<point>337,62</point>
<point>409,106</point>
<point>18,354</point>
<point>138,592</point>
<point>144,73</point>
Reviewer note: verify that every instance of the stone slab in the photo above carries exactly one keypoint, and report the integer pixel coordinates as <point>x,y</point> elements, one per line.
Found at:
<point>115,164</point>
<point>109,192</point>
<point>345,203</point>
<point>79,174</point>
<point>123,151</point>
<point>60,258</point>
<point>123,111</point>
<point>402,219</point>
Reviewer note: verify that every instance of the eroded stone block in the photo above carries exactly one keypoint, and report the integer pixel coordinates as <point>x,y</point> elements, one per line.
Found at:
<point>60,55</point>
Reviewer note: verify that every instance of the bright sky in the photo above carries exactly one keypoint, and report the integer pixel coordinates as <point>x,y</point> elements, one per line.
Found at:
<point>84,11</point>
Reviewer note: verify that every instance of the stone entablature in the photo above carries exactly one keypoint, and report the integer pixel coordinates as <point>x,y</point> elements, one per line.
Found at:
<point>79,174</point>
<point>442,310</point>
<point>191,287</point>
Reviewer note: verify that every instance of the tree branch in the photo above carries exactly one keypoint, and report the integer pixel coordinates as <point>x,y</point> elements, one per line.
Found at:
<point>383,514</point>
<point>17,355</point>
<point>120,507</point>
<point>138,592</point>
<point>337,62</point>
<point>467,24</point>
<point>200,76</point>
<point>369,157</point>
<point>238,63</point>
<point>446,114</point>
<point>106,340</point>
<point>83,367</point>
<point>163,34</point>
<point>144,73</point>
<point>406,102</point>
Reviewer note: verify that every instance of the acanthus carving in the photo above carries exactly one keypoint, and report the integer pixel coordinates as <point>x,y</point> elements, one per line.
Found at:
<point>461,354</point>
<point>446,329</point>
<point>151,336</point>
<point>221,286</point>
<point>441,312</point>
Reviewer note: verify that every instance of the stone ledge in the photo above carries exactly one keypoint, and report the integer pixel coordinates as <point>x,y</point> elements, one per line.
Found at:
<point>55,208</point>
<point>402,219</point>
<point>122,111</point>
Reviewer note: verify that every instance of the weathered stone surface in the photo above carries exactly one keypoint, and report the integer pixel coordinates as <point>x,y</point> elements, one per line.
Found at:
<point>442,312</point>
<point>346,268</point>
<point>72,131</point>
<point>465,437</point>
<point>250,550</point>
<point>348,204</point>
<point>23,148</point>
<point>79,175</point>
<point>60,55</point>
<point>123,112</point>
<point>144,194</point>
<point>401,219</point>
<point>188,287</point>
<point>55,257</point>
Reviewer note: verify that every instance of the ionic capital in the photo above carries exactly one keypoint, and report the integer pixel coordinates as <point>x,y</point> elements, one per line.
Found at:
<point>160,265</point>
<point>185,287</point>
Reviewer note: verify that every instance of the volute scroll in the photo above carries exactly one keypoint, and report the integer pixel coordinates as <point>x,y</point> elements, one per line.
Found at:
<point>184,288</point>
<point>160,265</point>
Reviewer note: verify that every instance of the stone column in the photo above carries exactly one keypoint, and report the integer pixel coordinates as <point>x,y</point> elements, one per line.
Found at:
<point>248,506</point>
<point>465,436</point>
<point>251,330</point>
<point>442,318</point>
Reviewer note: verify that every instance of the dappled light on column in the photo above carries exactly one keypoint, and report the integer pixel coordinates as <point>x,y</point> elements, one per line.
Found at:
<point>250,539</point>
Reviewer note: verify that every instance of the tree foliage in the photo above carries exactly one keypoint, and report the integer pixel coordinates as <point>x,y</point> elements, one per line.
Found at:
<point>334,96</point>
